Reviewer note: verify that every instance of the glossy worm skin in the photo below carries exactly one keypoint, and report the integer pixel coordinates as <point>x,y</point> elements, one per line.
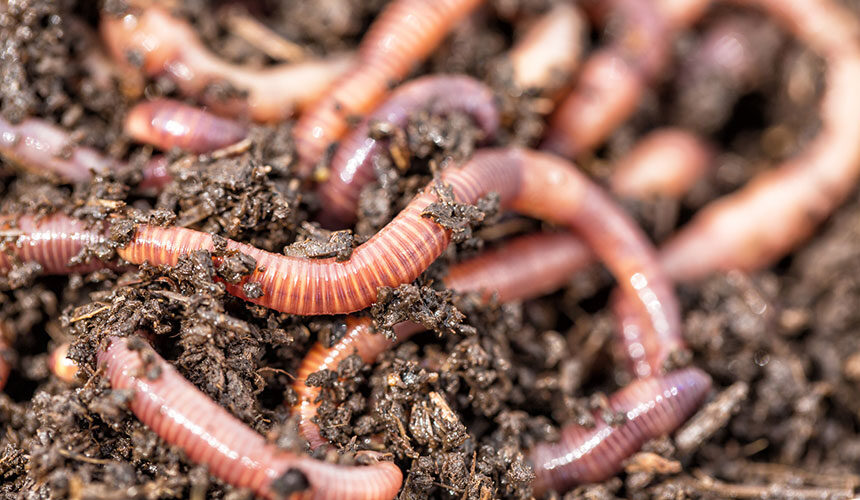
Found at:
<point>527,267</point>
<point>43,148</point>
<point>61,366</point>
<point>401,37</point>
<point>550,50</point>
<point>167,123</point>
<point>530,182</point>
<point>653,407</point>
<point>51,241</point>
<point>739,231</point>
<point>47,150</point>
<point>611,81</point>
<point>184,417</point>
<point>664,163</point>
<point>168,45</point>
<point>352,165</point>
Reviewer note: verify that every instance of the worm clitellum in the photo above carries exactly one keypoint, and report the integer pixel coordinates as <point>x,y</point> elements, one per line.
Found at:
<point>401,37</point>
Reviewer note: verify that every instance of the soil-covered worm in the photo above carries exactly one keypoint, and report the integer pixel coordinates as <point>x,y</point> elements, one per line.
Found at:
<point>549,52</point>
<point>612,79</point>
<point>765,219</point>
<point>167,123</point>
<point>47,150</point>
<point>532,183</point>
<point>352,165</point>
<point>168,45</point>
<point>664,163</point>
<point>209,435</point>
<point>401,37</point>
<point>50,241</point>
<point>652,407</point>
<point>527,267</point>
<point>60,365</point>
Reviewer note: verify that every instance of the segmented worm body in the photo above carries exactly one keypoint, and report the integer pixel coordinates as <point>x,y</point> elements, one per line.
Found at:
<point>666,162</point>
<point>527,267</point>
<point>548,54</point>
<point>61,366</point>
<point>740,231</point>
<point>652,408</point>
<point>402,36</point>
<point>50,241</point>
<point>183,416</point>
<point>612,79</point>
<point>533,183</point>
<point>168,45</point>
<point>166,123</point>
<point>352,165</point>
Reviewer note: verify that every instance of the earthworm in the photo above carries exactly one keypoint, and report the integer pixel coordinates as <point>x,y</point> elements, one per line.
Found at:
<point>526,267</point>
<point>183,416</point>
<point>536,184</point>
<point>46,149</point>
<point>167,45</point>
<point>61,366</point>
<point>612,79</point>
<point>666,162</point>
<point>549,52</point>
<point>50,241</point>
<point>652,407</point>
<point>740,231</point>
<point>167,123</point>
<point>402,36</point>
<point>352,165</point>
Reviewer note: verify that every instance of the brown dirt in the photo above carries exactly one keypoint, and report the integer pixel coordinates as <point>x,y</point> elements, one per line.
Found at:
<point>456,407</point>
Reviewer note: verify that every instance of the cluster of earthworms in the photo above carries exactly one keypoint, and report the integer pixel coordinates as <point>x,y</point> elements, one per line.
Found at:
<point>599,91</point>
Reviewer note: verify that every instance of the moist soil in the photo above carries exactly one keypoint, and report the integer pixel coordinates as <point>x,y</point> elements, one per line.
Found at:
<point>458,406</point>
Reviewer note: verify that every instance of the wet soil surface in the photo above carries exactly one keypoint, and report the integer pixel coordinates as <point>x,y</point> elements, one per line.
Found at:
<point>458,406</point>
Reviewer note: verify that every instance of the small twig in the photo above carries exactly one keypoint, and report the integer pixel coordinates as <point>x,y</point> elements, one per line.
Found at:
<point>89,314</point>
<point>262,37</point>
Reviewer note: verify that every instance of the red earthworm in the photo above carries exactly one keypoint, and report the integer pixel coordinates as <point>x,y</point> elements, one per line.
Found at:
<point>183,416</point>
<point>652,407</point>
<point>168,45</point>
<point>739,231</point>
<point>666,162</point>
<point>61,366</point>
<point>526,267</point>
<point>50,241</point>
<point>166,123</point>
<point>612,79</point>
<point>403,35</point>
<point>352,165</point>
<point>533,183</point>
<point>45,149</point>
<point>550,50</point>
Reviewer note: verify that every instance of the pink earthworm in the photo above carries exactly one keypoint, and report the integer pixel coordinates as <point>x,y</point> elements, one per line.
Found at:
<point>402,36</point>
<point>352,165</point>
<point>60,365</point>
<point>739,231</point>
<point>527,267</point>
<point>612,79</point>
<point>536,184</point>
<point>50,241</point>
<point>184,417</point>
<point>168,45</point>
<point>46,149</point>
<point>666,162</point>
<point>549,52</point>
<point>167,123</point>
<point>652,407</point>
